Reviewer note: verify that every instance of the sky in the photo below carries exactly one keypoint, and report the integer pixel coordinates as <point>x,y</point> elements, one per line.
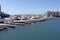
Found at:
<point>14,7</point>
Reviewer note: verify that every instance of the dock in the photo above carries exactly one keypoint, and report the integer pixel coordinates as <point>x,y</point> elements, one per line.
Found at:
<point>5,26</point>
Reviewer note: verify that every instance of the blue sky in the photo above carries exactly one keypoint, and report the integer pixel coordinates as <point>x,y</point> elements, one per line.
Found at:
<point>29,6</point>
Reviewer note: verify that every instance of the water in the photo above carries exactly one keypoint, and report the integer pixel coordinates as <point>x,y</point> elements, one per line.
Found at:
<point>48,30</point>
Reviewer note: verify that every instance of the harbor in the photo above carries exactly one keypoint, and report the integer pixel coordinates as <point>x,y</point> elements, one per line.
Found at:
<point>29,19</point>
<point>38,31</point>
<point>12,21</point>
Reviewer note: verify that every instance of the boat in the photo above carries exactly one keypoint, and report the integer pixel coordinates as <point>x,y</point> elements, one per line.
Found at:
<point>12,26</point>
<point>18,21</point>
<point>34,19</point>
<point>1,28</point>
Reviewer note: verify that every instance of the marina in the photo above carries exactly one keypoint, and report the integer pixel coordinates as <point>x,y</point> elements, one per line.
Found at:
<point>29,19</point>
<point>12,21</point>
<point>48,30</point>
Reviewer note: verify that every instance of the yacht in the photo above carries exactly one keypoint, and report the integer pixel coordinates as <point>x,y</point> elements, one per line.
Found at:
<point>34,19</point>
<point>18,21</point>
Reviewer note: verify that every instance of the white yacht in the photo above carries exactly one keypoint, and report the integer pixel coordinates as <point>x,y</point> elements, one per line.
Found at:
<point>18,21</point>
<point>34,19</point>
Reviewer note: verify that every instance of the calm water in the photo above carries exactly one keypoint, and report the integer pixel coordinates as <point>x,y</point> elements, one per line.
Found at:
<point>48,30</point>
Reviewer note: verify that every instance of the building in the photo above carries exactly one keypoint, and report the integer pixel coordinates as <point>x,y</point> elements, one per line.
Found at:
<point>53,13</point>
<point>2,14</point>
